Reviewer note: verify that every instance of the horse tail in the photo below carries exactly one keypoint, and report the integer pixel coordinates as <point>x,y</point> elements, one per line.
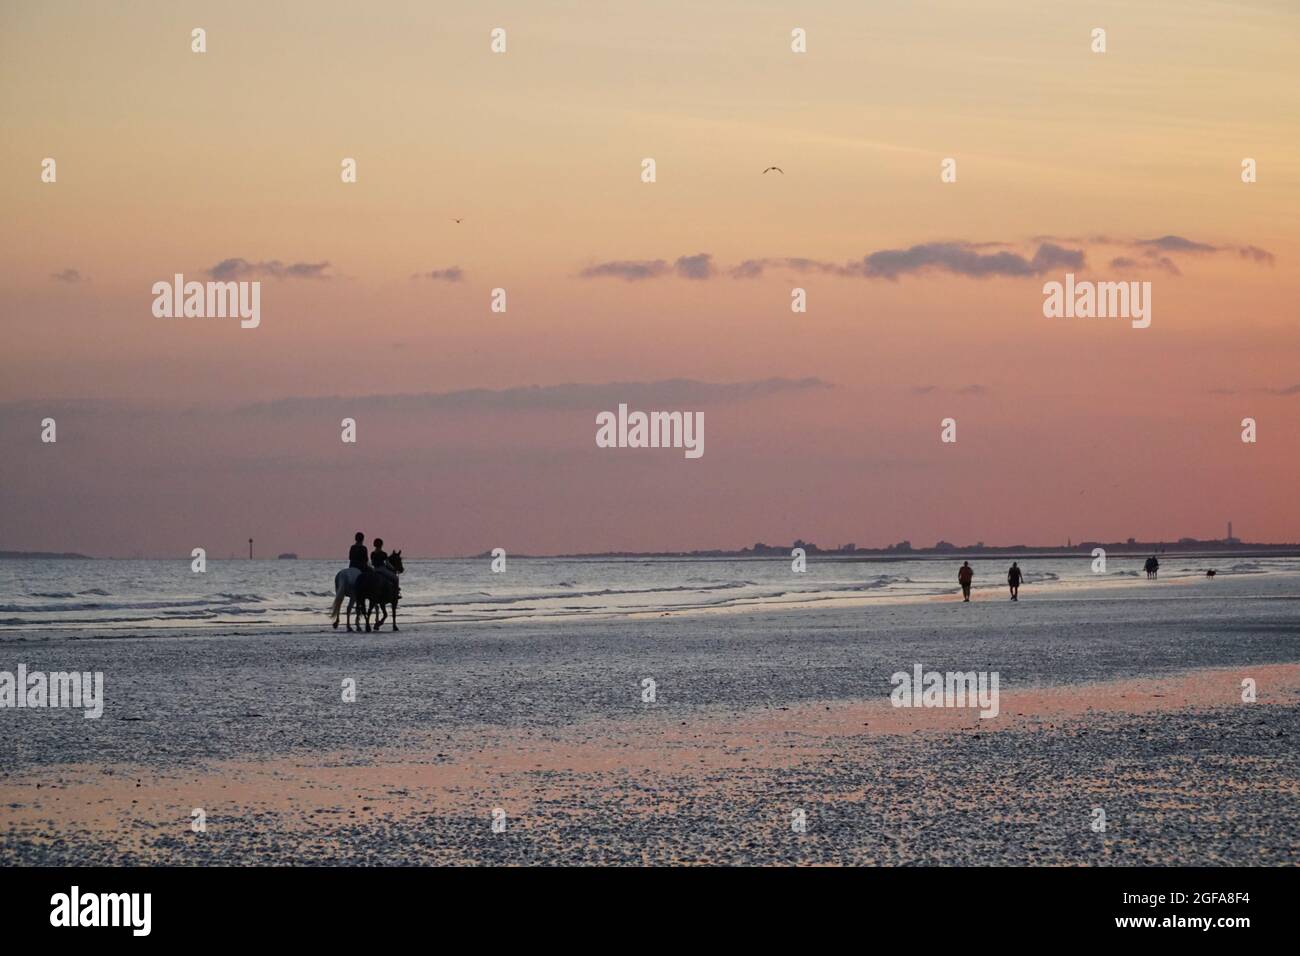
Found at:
<point>338,596</point>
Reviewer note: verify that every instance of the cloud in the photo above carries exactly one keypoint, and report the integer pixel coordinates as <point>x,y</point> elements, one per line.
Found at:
<point>452,274</point>
<point>978,260</point>
<point>1256,254</point>
<point>228,269</point>
<point>1285,392</point>
<point>70,276</point>
<point>960,258</point>
<point>1179,244</point>
<point>964,390</point>
<point>1176,244</point>
<point>672,393</point>
<point>753,268</point>
<point>628,269</point>
<point>698,266</point>
<point>1128,264</point>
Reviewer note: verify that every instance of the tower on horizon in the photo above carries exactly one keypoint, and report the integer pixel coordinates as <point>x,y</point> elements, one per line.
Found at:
<point>1230,539</point>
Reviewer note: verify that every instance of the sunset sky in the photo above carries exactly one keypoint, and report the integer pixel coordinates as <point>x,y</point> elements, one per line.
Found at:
<point>476,429</point>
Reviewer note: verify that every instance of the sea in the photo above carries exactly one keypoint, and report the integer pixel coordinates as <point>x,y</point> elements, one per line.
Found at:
<point>131,595</point>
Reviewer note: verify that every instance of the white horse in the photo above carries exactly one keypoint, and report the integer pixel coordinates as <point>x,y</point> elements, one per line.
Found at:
<point>345,586</point>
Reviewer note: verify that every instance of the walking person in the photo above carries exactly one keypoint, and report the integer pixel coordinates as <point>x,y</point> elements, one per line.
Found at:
<point>964,578</point>
<point>1014,578</point>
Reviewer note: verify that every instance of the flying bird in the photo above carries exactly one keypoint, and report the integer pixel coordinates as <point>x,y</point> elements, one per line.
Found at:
<point>777,168</point>
<point>458,220</point>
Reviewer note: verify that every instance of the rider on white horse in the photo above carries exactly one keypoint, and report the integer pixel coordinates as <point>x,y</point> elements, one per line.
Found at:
<point>346,580</point>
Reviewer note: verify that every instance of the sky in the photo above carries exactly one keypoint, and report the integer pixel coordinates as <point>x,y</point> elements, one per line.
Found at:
<point>476,429</point>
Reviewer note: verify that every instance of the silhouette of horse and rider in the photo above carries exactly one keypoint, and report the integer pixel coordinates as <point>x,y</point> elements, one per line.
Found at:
<point>369,582</point>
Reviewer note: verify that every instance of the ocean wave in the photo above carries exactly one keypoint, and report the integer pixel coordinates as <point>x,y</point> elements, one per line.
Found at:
<point>486,597</point>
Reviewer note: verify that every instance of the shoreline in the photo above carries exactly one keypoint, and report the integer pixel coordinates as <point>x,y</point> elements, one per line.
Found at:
<point>986,594</point>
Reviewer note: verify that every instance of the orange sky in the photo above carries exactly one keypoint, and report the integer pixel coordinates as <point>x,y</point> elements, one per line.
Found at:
<point>171,161</point>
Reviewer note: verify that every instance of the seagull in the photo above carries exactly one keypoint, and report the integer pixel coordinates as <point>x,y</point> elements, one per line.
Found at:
<point>770,168</point>
<point>458,220</point>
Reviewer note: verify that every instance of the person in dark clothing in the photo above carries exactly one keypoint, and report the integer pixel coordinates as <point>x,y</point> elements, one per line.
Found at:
<point>964,578</point>
<point>379,560</point>
<point>1013,580</point>
<point>357,553</point>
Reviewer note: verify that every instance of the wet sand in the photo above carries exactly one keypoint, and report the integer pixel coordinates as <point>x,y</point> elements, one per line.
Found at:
<point>1130,705</point>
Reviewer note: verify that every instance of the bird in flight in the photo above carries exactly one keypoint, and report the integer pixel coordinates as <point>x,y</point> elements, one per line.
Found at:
<point>770,168</point>
<point>458,220</point>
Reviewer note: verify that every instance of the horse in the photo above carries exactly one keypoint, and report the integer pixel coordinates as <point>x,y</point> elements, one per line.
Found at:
<point>345,583</point>
<point>374,591</point>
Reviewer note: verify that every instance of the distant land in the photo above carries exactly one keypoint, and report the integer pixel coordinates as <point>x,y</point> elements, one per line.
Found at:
<point>847,552</point>
<point>44,555</point>
<point>904,549</point>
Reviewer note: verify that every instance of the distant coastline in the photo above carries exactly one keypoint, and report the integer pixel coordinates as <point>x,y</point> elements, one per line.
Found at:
<point>44,556</point>
<point>849,552</point>
<point>944,549</point>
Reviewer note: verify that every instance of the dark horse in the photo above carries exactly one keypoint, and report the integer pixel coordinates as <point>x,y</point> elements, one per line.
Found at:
<point>375,591</point>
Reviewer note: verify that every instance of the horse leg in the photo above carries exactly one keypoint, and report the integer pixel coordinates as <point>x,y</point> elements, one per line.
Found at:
<point>351,602</point>
<point>394,615</point>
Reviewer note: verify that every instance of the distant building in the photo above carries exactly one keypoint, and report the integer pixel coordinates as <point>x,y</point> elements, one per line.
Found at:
<point>288,556</point>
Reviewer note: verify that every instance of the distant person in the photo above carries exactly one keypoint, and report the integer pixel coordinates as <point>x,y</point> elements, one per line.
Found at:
<point>1153,567</point>
<point>357,553</point>
<point>1014,578</point>
<point>964,578</point>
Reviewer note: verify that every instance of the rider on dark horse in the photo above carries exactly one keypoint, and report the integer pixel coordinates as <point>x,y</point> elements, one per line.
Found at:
<point>379,561</point>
